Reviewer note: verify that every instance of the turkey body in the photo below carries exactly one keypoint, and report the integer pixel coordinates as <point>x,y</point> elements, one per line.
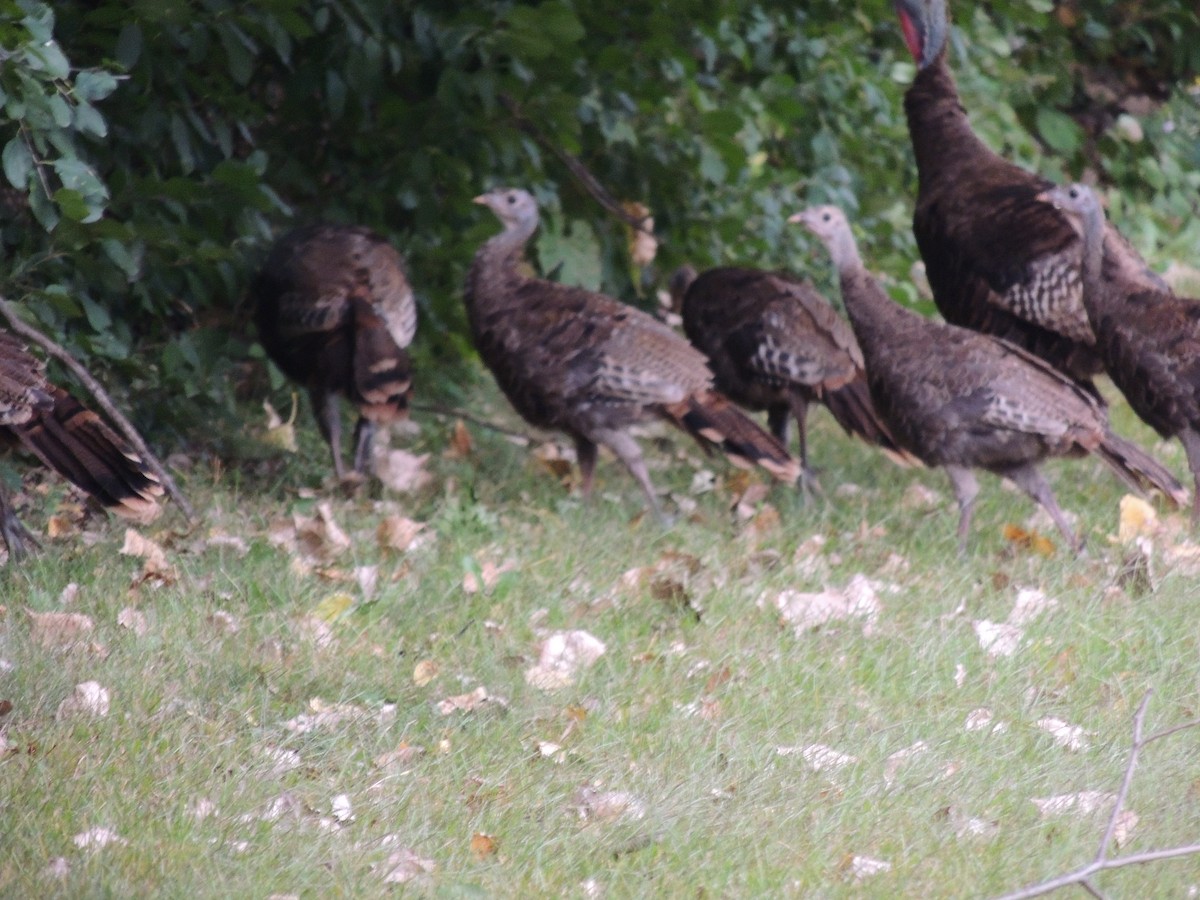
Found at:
<point>963,401</point>
<point>999,259</point>
<point>69,439</point>
<point>775,344</point>
<point>335,312</point>
<point>583,363</point>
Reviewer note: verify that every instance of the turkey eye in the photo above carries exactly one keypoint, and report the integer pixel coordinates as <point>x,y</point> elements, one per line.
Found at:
<point>512,198</point>
<point>826,217</point>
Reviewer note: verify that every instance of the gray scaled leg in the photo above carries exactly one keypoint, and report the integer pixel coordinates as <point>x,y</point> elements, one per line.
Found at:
<point>329,421</point>
<point>585,454</point>
<point>627,450</point>
<point>966,488</point>
<point>808,478</point>
<point>1031,481</point>
<point>16,536</point>
<point>364,435</point>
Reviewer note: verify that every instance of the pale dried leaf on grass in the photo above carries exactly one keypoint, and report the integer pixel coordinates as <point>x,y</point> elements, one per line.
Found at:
<point>97,839</point>
<point>155,568</point>
<point>1029,605</point>
<point>1080,804</point>
<point>983,719</point>
<point>468,702</point>
<point>1004,638</point>
<point>323,716</point>
<point>404,755</point>
<point>69,594</point>
<point>406,865</point>
<point>561,656</point>
<point>57,868</point>
<point>58,630</point>
<point>1072,737</point>
<point>807,611</point>
<point>134,620</point>
<point>1126,822</point>
<point>89,698</point>
<point>894,762</point>
<point>965,825</point>
<point>200,809</point>
<point>400,470</point>
<point>596,805</point>
<point>223,622</point>
<point>1137,518</point>
<point>316,631</point>
<point>487,577</point>
<point>400,534</point>
<point>861,868</point>
<point>424,672</point>
<point>282,760</point>
<point>343,811</point>
<point>218,538</point>
<point>483,845</point>
<point>819,756</point>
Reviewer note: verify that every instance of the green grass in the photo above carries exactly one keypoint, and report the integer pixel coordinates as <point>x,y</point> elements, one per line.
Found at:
<point>197,711</point>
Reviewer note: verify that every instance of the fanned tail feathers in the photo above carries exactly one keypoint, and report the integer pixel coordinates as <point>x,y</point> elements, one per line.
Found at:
<point>712,419</point>
<point>78,445</point>
<point>382,370</point>
<point>1139,470</point>
<point>851,406</point>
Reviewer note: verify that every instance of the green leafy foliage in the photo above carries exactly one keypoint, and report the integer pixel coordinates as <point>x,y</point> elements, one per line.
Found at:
<point>159,147</point>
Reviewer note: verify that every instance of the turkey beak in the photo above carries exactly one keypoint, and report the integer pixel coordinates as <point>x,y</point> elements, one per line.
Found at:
<point>1047,197</point>
<point>482,199</point>
<point>796,218</point>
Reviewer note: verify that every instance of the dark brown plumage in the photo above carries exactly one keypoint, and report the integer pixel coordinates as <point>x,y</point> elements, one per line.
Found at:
<point>963,401</point>
<point>1149,340</point>
<point>998,259</point>
<point>583,363</point>
<point>335,312</point>
<point>73,441</point>
<point>774,343</point>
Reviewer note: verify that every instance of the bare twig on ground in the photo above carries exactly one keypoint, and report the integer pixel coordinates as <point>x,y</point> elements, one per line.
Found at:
<point>28,332</point>
<point>448,412</point>
<point>1102,861</point>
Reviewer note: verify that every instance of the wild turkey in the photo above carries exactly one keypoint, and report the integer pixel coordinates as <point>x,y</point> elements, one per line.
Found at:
<point>1149,340</point>
<point>335,312</point>
<point>998,259</point>
<point>583,363</point>
<point>962,400</point>
<point>774,343</point>
<point>73,441</point>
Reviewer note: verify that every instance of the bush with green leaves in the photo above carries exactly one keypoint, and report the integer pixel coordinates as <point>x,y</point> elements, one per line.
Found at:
<point>159,147</point>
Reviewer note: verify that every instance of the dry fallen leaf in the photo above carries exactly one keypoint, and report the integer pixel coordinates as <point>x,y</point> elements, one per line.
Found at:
<point>405,865</point>
<point>97,838</point>
<point>893,764</point>
<point>1030,604</point>
<point>424,672</point>
<point>643,245</point>
<point>1028,540</point>
<point>1072,737</point>
<point>400,470</point>
<point>819,757</point>
<point>280,434</point>
<point>222,622</point>
<point>483,845</point>
<point>1080,804</point>
<point>487,577</point>
<point>399,533</point>
<point>59,630</point>
<point>89,698</point>
<point>343,812</point>
<point>468,702</point>
<point>1137,519</point>
<point>807,611</point>
<point>561,656</point>
<point>460,445</point>
<point>597,805</point>
<point>403,755</point>
<point>134,620</point>
<point>332,607</point>
<point>998,639</point>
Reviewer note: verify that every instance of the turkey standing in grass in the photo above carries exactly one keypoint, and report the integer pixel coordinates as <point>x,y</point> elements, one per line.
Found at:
<point>73,441</point>
<point>775,344</point>
<point>335,312</point>
<point>581,362</point>
<point>1149,340</point>
<point>963,400</point>
<point>999,260</point>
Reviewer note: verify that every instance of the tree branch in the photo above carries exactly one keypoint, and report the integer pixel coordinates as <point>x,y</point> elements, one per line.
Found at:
<point>582,174</point>
<point>20,327</point>
<point>1102,862</point>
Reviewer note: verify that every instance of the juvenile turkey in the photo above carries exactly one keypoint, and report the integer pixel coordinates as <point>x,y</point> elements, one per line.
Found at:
<point>335,312</point>
<point>73,441</point>
<point>774,343</point>
<point>588,365</point>
<point>1149,340</point>
<point>963,401</point>
<point>999,260</point>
